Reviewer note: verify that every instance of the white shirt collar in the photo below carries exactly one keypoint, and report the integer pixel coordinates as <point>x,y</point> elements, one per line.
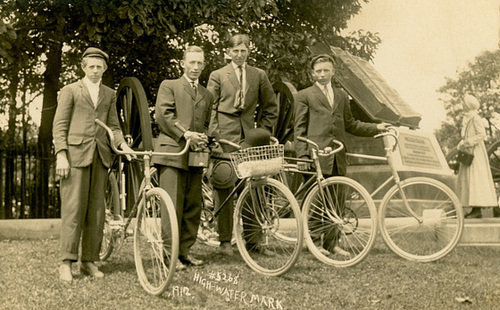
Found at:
<point>191,81</point>
<point>235,66</point>
<point>91,84</point>
<point>328,86</point>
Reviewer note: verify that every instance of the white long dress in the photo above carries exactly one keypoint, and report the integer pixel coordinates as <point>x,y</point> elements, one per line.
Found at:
<point>475,186</point>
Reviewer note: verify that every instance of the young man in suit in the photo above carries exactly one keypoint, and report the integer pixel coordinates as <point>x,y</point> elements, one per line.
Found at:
<point>240,93</point>
<point>83,157</point>
<point>323,113</point>
<point>183,112</point>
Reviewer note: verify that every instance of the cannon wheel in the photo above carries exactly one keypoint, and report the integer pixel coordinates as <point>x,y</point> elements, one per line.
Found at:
<point>133,113</point>
<point>494,158</point>
<point>283,130</point>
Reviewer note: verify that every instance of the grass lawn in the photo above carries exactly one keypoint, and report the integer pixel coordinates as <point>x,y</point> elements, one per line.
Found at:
<point>468,278</point>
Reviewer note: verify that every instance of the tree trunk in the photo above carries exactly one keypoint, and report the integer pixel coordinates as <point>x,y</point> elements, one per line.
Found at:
<point>51,81</point>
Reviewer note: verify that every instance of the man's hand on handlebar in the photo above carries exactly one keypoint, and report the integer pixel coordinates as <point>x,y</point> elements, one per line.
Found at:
<point>383,126</point>
<point>199,141</point>
<point>303,166</point>
<point>124,147</point>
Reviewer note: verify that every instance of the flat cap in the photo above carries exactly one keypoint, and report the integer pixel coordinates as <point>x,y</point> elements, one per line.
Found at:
<point>95,52</point>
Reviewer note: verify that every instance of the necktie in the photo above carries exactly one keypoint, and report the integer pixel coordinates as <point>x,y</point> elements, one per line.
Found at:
<point>240,100</point>
<point>193,85</point>
<point>327,94</point>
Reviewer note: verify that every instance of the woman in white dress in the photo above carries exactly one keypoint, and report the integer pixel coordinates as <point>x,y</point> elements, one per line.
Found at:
<point>475,186</point>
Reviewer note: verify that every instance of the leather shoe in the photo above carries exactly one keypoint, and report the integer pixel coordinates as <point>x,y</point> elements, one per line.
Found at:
<point>180,266</point>
<point>188,260</point>
<point>261,250</point>
<point>65,273</point>
<point>90,269</point>
<point>340,251</point>
<point>323,251</point>
<point>474,215</point>
<point>226,249</point>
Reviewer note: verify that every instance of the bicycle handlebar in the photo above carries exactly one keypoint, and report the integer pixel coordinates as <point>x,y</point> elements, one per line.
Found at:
<point>326,151</point>
<point>150,153</point>
<point>238,147</point>
<point>391,131</point>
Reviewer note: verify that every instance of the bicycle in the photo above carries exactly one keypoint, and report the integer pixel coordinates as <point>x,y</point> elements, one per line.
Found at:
<point>268,242</point>
<point>420,218</point>
<point>156,236</point>
<point>340,217</point>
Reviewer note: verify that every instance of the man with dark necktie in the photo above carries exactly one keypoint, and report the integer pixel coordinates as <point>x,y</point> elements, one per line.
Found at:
<point>239,90</point>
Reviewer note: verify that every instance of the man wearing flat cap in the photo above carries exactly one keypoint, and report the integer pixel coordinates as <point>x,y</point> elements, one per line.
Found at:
<point>83,157</point>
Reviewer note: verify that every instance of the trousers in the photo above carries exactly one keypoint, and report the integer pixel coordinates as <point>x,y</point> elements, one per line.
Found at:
<point>82,211</point>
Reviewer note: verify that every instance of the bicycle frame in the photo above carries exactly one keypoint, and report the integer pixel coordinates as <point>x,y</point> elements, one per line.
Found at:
<point>318,176</point>
<point>146,182</point>
<point>144,186</point>
<point>389,150</point>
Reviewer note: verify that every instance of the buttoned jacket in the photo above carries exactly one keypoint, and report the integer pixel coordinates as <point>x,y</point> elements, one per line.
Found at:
<point>74,129</point>
<point>316,120</point>
<point>227,121</point>
<point>177,103</point>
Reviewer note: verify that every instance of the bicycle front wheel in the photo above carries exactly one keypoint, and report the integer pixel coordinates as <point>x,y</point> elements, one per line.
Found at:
<point>340,220</point>
<point>421,221</point>
<point>112,204</point>
<point>156,241</point>
<point>268,227</point>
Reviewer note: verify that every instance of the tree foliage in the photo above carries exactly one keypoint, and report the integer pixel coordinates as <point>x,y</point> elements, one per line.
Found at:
<point>145,37</point>
<point>480,78</point>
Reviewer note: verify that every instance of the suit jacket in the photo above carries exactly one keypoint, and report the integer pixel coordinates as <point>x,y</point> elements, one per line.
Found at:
<point>176,102</point>
<point>74,128</point>
<point>316,120</point>
<point>230,123</point>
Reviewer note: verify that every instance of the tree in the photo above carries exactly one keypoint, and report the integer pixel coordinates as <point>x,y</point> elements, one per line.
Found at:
<point>145,39</point>
<point>480,78</point>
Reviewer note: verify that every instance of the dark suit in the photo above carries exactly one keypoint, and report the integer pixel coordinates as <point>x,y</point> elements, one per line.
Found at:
<point>316,120</point>
<point>229,123</point>
<point>176,102</point>
<point>89,155</point>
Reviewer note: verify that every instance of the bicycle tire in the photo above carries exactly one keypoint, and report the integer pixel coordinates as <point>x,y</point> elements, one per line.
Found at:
<point>355,234</point>
<point>441,220</point>
<point>269,254</point>
<point>207,231</point>
<point>112,205</point>
<point>155,247</point>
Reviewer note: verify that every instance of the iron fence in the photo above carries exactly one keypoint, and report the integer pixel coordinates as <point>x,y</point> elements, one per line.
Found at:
<point>28,188</point>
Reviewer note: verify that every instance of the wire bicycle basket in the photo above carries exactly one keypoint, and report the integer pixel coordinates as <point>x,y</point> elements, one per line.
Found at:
<point>258,161</point>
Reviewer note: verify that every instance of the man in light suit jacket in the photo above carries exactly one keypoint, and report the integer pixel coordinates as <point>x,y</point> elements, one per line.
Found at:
<point>240,93</point>
<point>183,112</point>
<point>83,156</point>
<point>323,113</point>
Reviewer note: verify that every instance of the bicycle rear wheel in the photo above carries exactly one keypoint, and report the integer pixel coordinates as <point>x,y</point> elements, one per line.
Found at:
<point>268,242</point>
<point>156,241</point>
<point>340,222</point>
<point>112,204</point>
<point>429,227</point>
